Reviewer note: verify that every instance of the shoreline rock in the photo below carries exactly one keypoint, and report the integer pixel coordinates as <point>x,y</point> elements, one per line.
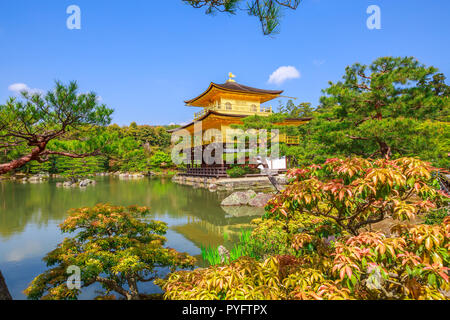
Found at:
<point>239,198</point>
<point>260,184</point>
<point>247,198</point>
<point>71,184</point>
<point>260,200</point>
<point>243,211</point>
<point>86,182</point>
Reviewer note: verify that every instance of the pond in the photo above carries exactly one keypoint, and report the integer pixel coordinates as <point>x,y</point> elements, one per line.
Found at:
<point>30,215</point>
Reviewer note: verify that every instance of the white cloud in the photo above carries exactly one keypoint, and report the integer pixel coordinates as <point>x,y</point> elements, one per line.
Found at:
<point>283,74</point>
<point>24,251</point>
<point>17,88</point>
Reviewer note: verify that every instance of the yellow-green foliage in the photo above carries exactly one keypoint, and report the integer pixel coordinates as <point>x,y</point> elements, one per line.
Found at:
<point>313,245</point>
<point>413,265</point>
<point>277,237</point>
<point>113,246</point>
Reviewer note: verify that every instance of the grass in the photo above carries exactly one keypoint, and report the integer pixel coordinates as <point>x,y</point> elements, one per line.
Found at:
<point>212,255</point>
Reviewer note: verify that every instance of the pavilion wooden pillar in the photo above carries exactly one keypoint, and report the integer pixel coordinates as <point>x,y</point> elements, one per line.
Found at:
<point>203,160</point>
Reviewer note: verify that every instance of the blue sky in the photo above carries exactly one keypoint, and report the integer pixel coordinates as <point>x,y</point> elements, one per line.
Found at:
<point>145,57</point>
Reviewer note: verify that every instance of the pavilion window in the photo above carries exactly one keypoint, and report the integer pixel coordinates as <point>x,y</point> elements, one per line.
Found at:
<point>228,106</point>
<point>254,108</point>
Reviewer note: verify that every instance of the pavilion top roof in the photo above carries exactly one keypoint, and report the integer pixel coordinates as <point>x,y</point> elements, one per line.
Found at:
<point>231,87</point>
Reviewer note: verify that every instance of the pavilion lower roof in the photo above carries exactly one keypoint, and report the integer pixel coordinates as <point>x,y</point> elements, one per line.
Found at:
<point>288,121</point>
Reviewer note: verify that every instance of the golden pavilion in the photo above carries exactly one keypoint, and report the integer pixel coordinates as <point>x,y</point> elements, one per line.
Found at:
<point>224,105</point>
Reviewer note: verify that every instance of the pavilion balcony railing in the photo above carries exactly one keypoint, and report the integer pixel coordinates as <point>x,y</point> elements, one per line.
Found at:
<point>266,109</point>
<point>206,172</point>
<point>293,140</point>
<point>240,109</point>
<point>200,114</point>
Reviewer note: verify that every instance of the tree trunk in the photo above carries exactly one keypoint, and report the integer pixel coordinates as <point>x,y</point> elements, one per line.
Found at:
<point>19,163</point>
<point>4,292</point>
<point>385,150</point>
<point>134,291</point>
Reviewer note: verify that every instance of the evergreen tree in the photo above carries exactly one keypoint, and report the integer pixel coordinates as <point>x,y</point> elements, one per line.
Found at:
<point>302,110</point>
<point>30,125</point>
<point>391,108</point>
<point>269,12</point>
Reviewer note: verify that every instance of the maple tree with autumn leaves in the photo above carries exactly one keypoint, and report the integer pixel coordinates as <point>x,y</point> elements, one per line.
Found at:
<point>358,192</point>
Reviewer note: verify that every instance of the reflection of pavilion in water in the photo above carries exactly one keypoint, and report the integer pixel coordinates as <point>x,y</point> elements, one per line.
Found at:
<point>203,233</point>
<point>207,221</point>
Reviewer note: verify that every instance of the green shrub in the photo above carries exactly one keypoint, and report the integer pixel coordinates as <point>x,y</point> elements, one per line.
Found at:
<point>236,172</point>
<point>160,159</point>
<point>436,217</point>
<point>171,173</point>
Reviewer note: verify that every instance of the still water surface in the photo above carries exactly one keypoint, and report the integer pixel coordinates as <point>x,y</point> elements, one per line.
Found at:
<point>30,215</point>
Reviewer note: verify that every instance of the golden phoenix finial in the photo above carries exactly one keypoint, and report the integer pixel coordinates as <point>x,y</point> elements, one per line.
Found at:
<point>231,76</point>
